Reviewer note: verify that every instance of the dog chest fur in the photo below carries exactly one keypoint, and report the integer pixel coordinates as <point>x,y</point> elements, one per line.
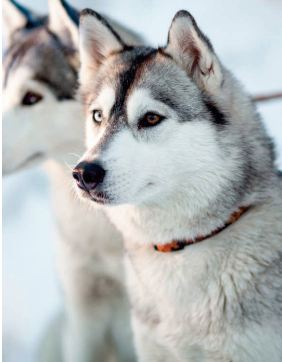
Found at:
<point>216,295</point>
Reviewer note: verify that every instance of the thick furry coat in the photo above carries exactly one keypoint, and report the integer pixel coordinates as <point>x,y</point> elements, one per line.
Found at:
<point>199,152</point>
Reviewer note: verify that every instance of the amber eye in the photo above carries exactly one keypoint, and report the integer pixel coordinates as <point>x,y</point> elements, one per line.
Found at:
<point>149,120</point>
<point>31,98</point>
<point>97,116</point>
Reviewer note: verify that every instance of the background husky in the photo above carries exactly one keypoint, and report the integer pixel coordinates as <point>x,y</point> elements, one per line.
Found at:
<point>42,121</point>
<point>200,153</point>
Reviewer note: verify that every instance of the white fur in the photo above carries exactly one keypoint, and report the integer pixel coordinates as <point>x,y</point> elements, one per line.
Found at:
<point>103,102</point>
<point>183,293</point>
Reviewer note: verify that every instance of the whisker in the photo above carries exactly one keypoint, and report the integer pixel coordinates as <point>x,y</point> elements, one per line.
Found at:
<point>69,166</point>
<point>74,154</point>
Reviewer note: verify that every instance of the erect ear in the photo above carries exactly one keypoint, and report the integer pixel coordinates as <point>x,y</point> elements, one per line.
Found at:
<point>192,50</point>
<point>97,40</point>
<point>15,17</point>
<point>63,21</point>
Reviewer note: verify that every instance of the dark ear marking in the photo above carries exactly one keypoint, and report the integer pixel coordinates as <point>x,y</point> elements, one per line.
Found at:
<point>17,17</point>
<point>32,21</point>
<point>91,12</point>
<point>126,48</point>
<point>162,52</point>
<point>72,12</point>
<point>217,116</point>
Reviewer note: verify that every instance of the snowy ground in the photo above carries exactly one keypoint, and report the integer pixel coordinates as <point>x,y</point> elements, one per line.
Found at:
<point>247,36</point>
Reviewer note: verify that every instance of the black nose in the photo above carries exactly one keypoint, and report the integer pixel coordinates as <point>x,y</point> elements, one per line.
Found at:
<point>88,175</point>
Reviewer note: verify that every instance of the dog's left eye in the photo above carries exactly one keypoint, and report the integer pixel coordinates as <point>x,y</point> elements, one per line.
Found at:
<point>97,116</point>
<point>150,119</point>
<point>31,98</point>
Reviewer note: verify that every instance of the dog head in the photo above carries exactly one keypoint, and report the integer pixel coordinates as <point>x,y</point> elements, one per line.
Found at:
<point>165,124</point>
<point>41,116</point>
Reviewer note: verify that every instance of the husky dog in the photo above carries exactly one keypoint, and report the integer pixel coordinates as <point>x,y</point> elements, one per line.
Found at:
<point>42,121</point>
<point>179,158</point>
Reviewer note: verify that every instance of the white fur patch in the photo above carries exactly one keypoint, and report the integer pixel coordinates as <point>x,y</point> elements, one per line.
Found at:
<point>104,102</point>
<point>141,102</point>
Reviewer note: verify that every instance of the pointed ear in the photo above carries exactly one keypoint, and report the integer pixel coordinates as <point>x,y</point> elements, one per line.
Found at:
<point>63,21</point>
<point>15,17</point>
<point>192,50</point>
<point>97,40</point>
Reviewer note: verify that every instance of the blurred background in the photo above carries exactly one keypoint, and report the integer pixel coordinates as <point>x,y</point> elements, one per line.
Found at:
<point>247,37</point>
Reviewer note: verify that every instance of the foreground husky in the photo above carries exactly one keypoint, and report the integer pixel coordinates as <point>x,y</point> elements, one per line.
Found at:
<point>178,154</point>
<point>42,120</point>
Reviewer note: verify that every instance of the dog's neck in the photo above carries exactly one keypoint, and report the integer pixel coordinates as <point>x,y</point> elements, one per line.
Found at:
<point>176,245</point>
<point>148,225</point>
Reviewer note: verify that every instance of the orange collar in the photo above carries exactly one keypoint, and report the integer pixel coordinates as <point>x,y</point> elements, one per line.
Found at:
<point>176,245</point>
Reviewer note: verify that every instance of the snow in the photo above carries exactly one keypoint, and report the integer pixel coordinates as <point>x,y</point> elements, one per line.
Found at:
<point>246,35</point>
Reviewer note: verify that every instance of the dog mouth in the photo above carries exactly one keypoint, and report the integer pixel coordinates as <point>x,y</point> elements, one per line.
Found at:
<point>99,197</point>
<point>106,198</point>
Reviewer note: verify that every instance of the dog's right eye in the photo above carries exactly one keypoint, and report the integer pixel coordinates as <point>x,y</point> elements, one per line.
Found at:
<point>31,98</point>
<point>97,116</point>
<point>150,119</point>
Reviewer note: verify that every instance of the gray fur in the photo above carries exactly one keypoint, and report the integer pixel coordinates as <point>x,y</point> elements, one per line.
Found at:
<point>51,61</point>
